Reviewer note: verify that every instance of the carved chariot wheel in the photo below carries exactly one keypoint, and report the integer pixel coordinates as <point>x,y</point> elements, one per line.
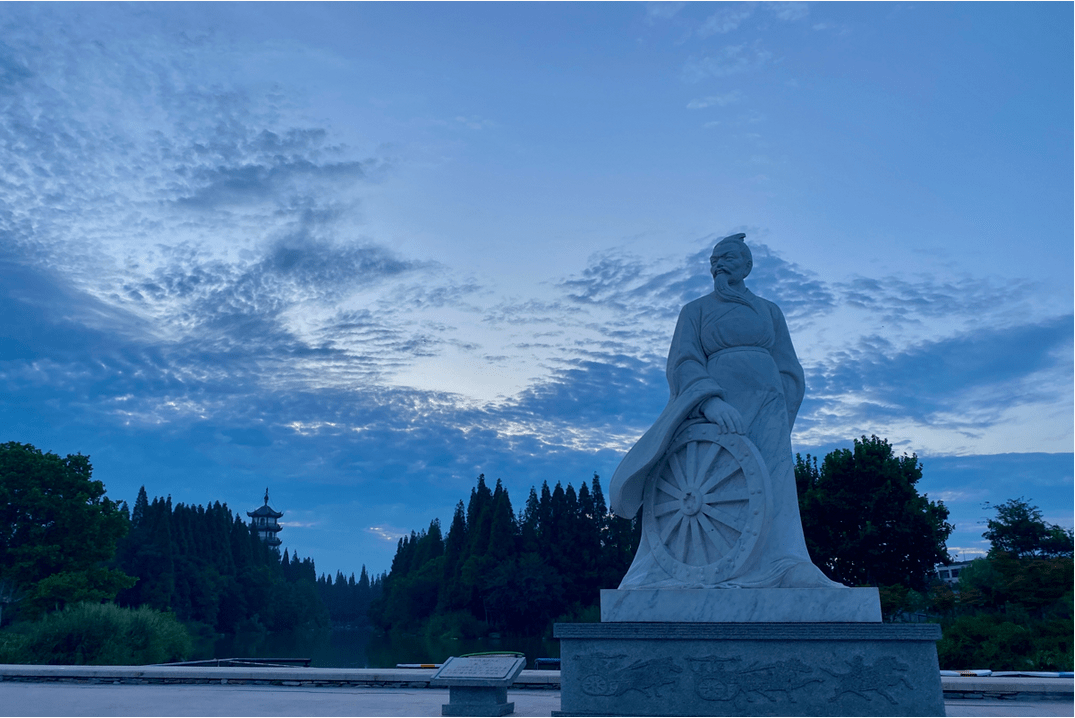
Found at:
<point>596,685</point>
<point>705,504</point>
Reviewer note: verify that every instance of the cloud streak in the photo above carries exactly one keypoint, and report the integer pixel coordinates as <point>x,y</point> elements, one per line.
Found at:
<point>729,60</point>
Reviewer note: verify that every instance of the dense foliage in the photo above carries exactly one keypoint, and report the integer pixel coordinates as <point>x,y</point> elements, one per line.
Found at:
<point>865,523</point>
<point>347,600</point>
<point>1013,609</point>
<point>504,571</point>
<point>56,530</point>
<point>97,634</point>
<point>205,565</point>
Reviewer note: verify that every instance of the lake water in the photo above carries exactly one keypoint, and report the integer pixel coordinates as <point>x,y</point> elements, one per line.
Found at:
<point>362,648</point>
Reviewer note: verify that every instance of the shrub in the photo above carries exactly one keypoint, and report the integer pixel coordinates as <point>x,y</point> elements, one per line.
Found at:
<point>98,634</point>
<point>993,641</point>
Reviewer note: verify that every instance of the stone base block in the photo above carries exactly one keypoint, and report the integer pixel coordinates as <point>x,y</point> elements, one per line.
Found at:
<point>477,701</point>
<point>761,669</point>
<point>735,605</point>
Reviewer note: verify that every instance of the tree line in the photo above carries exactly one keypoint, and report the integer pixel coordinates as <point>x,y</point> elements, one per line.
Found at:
<point>864,522</point>
<point>63,542</point>
<point>863,519</point>
<point>205,564</point>
<point>505,571</point>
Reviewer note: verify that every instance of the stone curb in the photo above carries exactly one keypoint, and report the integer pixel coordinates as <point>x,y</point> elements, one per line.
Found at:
<point>955,688</point>
<point>352,677</point>
<point>1008,688</point>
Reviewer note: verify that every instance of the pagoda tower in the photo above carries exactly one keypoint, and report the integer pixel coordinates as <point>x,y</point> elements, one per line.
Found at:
<point>263,522</point>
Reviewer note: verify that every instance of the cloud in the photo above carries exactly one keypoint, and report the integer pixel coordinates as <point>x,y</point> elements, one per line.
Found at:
<point>799,293</point>
<point>386,533</point>
<point>730,60</point>
<point>237,185</point>
<point>299,525</point>
<point>966,381</point>
<point>725,20</point>
<point>474,122</point>
<point>899,300</point>
<point>663,10</point>
<point>789,11</point>
<point>222,239</point>
<point>729,98</point>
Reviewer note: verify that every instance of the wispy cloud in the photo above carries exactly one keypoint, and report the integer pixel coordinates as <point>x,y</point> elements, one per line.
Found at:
<point>728,98</point>
<point>386,533</point>
<point>730,60</point>
<point>474,122</point>
<point>964,383</point>
<point>663,10</point>
<point>789,11</point>
<point>725,20</point>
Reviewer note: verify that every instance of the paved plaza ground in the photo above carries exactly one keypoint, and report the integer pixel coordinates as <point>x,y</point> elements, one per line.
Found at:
<point>73,699</point>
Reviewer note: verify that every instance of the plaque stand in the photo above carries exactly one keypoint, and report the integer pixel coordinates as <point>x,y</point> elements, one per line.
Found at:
<point>478,685</point>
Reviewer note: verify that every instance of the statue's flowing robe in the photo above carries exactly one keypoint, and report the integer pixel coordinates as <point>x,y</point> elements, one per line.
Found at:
<point>743,354</point>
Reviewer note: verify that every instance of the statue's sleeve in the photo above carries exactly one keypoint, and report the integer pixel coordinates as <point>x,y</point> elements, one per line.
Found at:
<point>687,372</point>
<point>791,371</point>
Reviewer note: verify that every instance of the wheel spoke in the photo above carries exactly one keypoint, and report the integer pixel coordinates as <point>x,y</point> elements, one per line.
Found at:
<point>715,536</point>
<point>717,479</point>
<point>724,517</point>
<point>666,508</point>
<point>677,470</point>
<point>692,465</point>
<point>707,460</point>
<point>669,489</point>
<point>670,527</point>
<point>680,547</point>
<point>726,499</point>
<point>697,540</point>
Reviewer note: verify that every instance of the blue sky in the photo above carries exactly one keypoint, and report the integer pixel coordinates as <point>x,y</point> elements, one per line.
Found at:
<point>361,253</point>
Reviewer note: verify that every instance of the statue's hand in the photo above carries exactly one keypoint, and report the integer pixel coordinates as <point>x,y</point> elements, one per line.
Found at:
<point>725,416</point>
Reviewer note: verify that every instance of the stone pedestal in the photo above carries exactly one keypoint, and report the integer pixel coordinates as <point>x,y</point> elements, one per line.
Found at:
<point>749,669</point>
<point>755,605</point>
<point>475,701</point>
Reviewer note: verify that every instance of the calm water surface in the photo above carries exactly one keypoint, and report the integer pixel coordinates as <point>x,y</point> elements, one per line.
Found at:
<point>361,648</point>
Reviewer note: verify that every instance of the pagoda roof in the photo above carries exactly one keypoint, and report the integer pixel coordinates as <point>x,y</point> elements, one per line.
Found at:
<point>265,510</point>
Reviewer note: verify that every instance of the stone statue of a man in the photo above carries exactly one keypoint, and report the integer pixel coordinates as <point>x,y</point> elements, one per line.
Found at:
<point>732,375</point>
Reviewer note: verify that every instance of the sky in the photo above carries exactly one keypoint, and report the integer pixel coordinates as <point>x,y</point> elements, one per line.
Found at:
<point>362,253</point>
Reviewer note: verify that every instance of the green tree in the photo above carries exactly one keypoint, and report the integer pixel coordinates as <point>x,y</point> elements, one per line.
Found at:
<point>864,521</point>
<point>523,593</point>
<point>57,529</point>
<point>1020,530</point>
<point>454,596</point>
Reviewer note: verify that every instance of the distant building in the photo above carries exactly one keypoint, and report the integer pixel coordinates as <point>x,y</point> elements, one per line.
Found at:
<point>263,522</point>
<point>950,573</point>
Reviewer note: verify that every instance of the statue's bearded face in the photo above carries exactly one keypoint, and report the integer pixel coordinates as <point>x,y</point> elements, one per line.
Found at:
<point>729,263</point>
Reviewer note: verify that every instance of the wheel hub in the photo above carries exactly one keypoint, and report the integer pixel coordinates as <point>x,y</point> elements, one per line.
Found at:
<point>692,504</point>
